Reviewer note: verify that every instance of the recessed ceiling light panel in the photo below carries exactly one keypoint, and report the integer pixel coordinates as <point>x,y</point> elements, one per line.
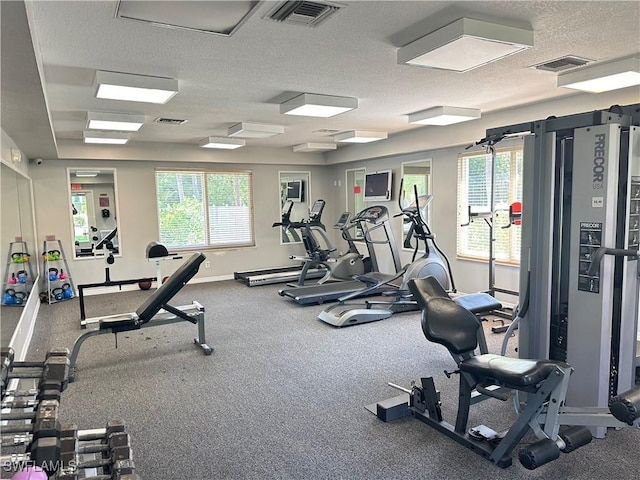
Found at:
<point>222,142</point>
<point>465,44</point>
<point>105,138</point>
<point>444,116</point>
<point>603,77</point>
<point>313,105</point>
<point>114,121</point>
<point>315,147</point>
<point>360,136</point>
<point>135,88</point>
<point>254,130</point>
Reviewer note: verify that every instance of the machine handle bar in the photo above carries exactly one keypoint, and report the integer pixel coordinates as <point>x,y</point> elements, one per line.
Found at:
<point>616,252</point>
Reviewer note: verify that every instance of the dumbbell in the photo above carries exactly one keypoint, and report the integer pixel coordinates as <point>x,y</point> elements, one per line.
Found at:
<point>55,368</point>
<point>45,425</point>
<point>118,442</point>
<point>120,470</point>
<point>70,438</point>
<point>125,471</point>
<point>107,463</point>
<point>50,391</point>
<point>44,447</point>
<point>44,453</point>
<point>115,441</point>
<point>32,402</point>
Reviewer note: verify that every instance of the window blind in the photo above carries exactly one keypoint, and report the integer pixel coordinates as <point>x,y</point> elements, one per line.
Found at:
<point>205,209</point>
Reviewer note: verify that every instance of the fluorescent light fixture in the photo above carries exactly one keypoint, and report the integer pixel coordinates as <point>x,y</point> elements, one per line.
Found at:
<point>135,88</point>
<point>314,147</point>
<point>443,116</point>
<point>602,77</point>
<point>86,174</point>
<point>313,105</point>
<point>108,138</point>
<point>360,136</point>
<point>114,121</point>
<point>222,142</point>
<point>254,130</point>
<point>465,44</point>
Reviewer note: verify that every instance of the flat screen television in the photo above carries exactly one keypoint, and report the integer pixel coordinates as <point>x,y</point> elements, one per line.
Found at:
<point>295,190</point>
<point>377,186</point>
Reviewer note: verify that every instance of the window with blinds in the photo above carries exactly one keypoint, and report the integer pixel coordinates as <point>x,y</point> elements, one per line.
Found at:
<point>474,195</point>
<point>204,209</point>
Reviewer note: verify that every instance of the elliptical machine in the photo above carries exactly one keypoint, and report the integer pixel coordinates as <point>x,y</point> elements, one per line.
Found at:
<point>433,262</point>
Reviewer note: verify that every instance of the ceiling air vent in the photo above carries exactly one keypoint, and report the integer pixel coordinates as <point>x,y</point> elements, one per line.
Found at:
<point>170,121</point>
<point>326,131</point>
<point>560,64</point>
<point>303,12</point>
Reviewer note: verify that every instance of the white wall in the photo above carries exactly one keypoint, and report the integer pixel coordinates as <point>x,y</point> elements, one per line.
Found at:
<point>137,216</point>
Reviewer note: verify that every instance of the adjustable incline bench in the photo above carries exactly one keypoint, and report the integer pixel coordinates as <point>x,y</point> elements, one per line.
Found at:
<point>150,315</point>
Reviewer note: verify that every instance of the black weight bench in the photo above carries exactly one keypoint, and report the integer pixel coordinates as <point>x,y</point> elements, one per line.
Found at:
<point>155,311</point>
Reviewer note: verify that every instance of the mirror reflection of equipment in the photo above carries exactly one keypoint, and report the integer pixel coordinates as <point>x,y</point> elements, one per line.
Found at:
<point>94,211</point>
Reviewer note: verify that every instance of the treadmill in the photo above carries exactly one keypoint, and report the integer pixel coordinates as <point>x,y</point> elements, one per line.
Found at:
<point>292,273</point>
<point>373,221</point>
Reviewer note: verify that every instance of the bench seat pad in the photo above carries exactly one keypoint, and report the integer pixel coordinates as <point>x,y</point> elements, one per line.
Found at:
<point>512,372</point>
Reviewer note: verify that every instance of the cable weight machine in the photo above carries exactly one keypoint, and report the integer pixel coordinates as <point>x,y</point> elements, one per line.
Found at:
<point>581,194</point>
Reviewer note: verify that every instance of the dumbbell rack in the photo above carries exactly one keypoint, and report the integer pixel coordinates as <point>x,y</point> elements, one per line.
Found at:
<point>13,268</point>
<point>35,445</point>
<point>53,287</point>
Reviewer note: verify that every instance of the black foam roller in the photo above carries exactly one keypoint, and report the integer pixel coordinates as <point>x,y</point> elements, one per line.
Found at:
<point>538,454</point>
<point>626,406</point>
<point>575,437</point>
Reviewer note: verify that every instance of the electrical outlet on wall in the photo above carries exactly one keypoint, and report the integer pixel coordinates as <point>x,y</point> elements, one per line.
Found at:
<point>207,264</point>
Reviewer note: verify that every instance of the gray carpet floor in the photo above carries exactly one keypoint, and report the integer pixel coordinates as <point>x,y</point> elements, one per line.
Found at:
<point>9,318</point>
<point>283,395</point>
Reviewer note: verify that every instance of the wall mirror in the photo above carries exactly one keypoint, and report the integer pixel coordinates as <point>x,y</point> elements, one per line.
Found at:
<point>93,210</point>
<point>416,173</point>
<point>18,249</point>
<point>294,203</point>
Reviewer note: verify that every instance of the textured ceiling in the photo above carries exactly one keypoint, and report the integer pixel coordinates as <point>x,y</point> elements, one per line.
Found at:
<point>243,77</point>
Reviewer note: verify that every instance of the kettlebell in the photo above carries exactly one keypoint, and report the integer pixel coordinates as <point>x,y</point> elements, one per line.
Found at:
<point>9,297</point>
<point>13,280</point>
<point>62,275</point>
<point>19,297</point>
<point>22,276</point>
<point>53,274</point>
<point>67,292</point>
<point>53,255</point>
<point>17,257</point>
<point>57,293</point>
